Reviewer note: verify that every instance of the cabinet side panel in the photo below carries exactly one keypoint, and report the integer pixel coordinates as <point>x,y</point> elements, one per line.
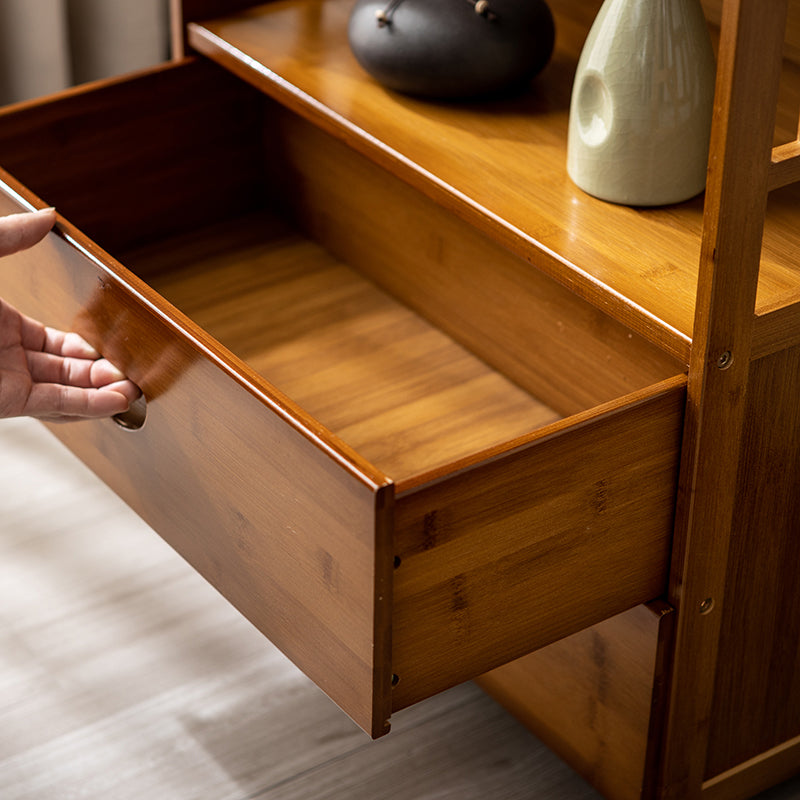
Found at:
<point>757,694</point>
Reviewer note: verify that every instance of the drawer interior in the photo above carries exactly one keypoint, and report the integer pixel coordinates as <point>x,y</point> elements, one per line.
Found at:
<point>414,339</point>
<point>387,382</point>
<point>531,441</point>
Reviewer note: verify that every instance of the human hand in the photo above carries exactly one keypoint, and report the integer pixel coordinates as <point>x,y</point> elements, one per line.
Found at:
<point>44,372</point>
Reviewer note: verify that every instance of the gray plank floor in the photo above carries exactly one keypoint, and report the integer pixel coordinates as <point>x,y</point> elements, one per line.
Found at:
<point>124,675</point>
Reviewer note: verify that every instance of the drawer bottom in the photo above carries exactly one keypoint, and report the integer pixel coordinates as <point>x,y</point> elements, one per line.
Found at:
<point>393,387</point>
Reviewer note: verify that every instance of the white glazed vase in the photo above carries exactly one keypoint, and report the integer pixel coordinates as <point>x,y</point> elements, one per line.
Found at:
<point>640,115</point>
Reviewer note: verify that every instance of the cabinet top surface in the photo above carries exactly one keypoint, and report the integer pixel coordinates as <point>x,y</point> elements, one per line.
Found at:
<point>501,163</point>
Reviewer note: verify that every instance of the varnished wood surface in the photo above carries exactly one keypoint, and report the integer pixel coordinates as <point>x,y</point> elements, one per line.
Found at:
<point>551,342</point>
<point>713,9</point>
<point>524,197</point>
<point>133,159</point>
<point>394,391</point>
<point>777,290</point>
<point>390,386</point>
<point>711,498</point>
<point>419,406</point>
<point>124,675</point>
<point>747,777</point>
<point>760,618</point>
<point>785,167</point>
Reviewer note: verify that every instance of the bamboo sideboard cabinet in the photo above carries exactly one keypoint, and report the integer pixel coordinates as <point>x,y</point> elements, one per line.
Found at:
<point>422,410</point>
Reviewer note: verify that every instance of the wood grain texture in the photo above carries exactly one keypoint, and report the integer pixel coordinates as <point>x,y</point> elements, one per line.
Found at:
<point>493,556</point>
<point>713,10</point>
<point>125,675</point>
<point>289,529</point>
<point>350,355</point>
<point>393,387</point>
<point>709,498</point>
<point>594,697</point>
<point>757,774</point>
<point>757,702</point>
<point>645,275</point>
<point>132,160</point>
<point>559,347</point>
<point>776,329</point>
<point>571,528</point>
<point>355,379</point>
<point>785,167</point>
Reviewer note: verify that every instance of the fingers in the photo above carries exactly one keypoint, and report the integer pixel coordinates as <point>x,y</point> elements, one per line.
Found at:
<point>67,344</point>
<point>50,340</point>
<point>70,381</point>
<point>56,402</point>
<point>80,372</point>
<point>127,388</point>
<point>20,231</point>
<point>36,337</point>
<point>77,388</point>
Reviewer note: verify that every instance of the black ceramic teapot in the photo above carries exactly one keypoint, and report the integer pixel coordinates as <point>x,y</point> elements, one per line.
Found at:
<point>452,48</point>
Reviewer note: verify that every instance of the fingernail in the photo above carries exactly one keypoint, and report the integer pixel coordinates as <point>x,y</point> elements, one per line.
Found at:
<point>44,210</point>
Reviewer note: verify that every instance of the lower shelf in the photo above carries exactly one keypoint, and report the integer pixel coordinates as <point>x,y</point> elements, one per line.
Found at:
<point>595,698</point>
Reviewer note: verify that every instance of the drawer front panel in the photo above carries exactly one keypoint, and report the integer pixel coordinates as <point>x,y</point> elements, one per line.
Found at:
<point>284,524</point>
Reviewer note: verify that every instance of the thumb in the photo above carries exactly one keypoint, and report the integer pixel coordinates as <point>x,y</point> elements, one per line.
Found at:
<point>19,231</point>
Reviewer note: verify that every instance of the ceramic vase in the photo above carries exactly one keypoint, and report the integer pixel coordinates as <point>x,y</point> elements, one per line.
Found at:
<point>640,114</point>
<point>452,49</point>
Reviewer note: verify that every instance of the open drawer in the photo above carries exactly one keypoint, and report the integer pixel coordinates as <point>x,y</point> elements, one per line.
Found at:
<point>403,453</point>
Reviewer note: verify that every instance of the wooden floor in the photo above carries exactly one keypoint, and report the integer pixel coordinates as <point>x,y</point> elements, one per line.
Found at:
<point>124,675</point>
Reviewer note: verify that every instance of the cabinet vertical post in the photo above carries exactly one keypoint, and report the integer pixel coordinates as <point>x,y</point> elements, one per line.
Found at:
<point>719,373</point>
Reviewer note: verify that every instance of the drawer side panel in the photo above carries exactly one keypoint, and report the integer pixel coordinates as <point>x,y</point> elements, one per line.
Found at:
<point>512,555</point>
